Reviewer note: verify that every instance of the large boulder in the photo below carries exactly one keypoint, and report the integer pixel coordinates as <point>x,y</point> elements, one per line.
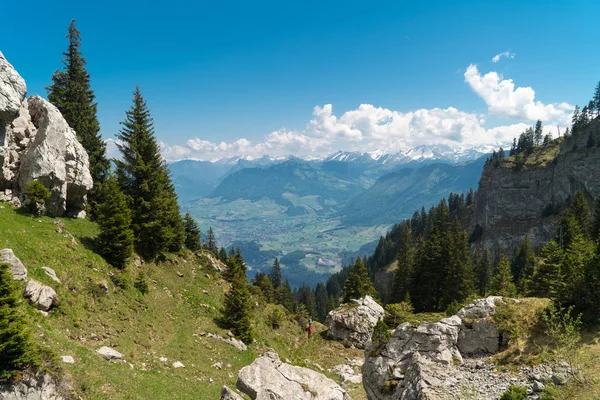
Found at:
<point>353,322</point>
<point>408,366</point>
<point>42,296</point>
<point>12,90</point>
<point>36,143</point>
<point>16,266</point>
<point>228,394</point>
<point>268,378</point>
<point>41,387</point>
<point>478,335</point>
<point>56,159</point>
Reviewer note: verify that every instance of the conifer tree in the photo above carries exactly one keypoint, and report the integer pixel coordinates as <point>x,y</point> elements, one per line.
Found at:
<point>405,260</point>
<point>192,233</point>
<point>223,254</point>
<point>237,310</point>
<point>71,93</point>
<point>502,283</point>
<point>262,281</point>
<point>538,133</point>
<point>548,278</point>
<point>17,352</point>
<point>144,176</point>
<point>321,300</point>
<point>459,276</point>
<point>581,211</point>
<point>115,241</point>
<point>211,242</point>
<point>275,274</point>
<point>358,283</point>
<point>483,272</point>
<point>596,99</point>
<point>523,262</point>
<point>286,296</point>
<point>596,222</point>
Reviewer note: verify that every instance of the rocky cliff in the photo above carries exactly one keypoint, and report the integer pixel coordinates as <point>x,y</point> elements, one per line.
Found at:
<point>512,202</point>
<point>36,143</point>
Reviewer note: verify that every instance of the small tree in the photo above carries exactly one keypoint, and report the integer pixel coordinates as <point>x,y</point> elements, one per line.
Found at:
<point>141,283</point>
<point>192,233</point>
<point>275,274</point>
<point>236,313</point>
<point>115,241</point>
<point>211,242</point>
<point>358,283</point>
<point>502,283</point>
<point>381,335</point>
<point>16,349</point>
<point>515,392</point>
<point>36,196</point>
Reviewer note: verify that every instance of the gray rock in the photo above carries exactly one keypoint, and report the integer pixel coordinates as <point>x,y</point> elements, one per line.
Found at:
<point>109,354</point>
<point>68,359</point>
<point>270,378</point>
<point>16,266</point>
<point>347,373</point>
<point>12,90</point>
<point>538,386</point>
<point>50,272</point>
<point>56,159</point>
<point>559,379</point>
<point>41,296</point>
<point>479,337</point>
<point>238,344</point>
<point>481,308</point>
<point>178,364</point>
<point>228,394</point>
<point>40,387</point>
<point>353,322</point>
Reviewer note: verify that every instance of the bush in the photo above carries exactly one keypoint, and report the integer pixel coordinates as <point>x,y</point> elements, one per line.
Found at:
<point>36,196</point>
<point>141,283</point>
<point>381,335</point>
<point>398,313</point>
<point>275,318</point>
<point>515,392</point>
<point>120,280</point>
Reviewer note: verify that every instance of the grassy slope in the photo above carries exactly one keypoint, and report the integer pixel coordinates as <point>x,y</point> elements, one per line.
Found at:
<point>167,322</point>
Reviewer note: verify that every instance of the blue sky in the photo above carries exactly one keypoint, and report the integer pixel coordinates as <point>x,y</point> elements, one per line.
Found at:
<point>251,75</point>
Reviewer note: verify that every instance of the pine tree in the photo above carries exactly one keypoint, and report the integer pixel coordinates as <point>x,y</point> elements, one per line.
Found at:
<point>458,275</point>
<point>596,222</point>
<point>321,301</point>
<point>192,233</point>
<point>275,274</point>
<point>71,93</point>
<point>115,241</point>
<point>358,283</point>
<point>237,310</point>
<point>223,254</point>
<point>17,352</point>
<point>262,281</point>
<point>144,176</point>
<point>211,242</point>
<point>538,133</point>
<point>286,296</point>
<point>596,99</point>
<point>548,278</point>
<point>502,283</point>
<point>523,263</point>
<point>483,272</point>
<point>406,263</point>
<point>581,211</point>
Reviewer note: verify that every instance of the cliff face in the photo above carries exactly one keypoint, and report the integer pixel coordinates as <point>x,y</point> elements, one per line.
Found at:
<point>511,202</point>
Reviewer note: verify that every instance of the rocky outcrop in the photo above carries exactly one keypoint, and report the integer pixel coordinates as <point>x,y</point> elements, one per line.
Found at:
<point>268,378</point>
<point>41,387</point>
<point>42,296</point>
<point>511,203</point>
<point>36,143</point>
<point>238,344</point>
<point>353,322</point>
<point>228,394</point>
<point>16,266</point>
<point>425,361</point>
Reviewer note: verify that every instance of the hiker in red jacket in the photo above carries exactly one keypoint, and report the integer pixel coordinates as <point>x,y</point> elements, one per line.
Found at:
<point>309,330</point>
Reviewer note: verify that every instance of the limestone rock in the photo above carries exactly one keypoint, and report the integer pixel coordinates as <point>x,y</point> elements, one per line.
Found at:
<point>354,322</point>
<point>347,373</point>
<point>178,364</point>
<point>50,272</point>
<point>41,295</point>
<point>270,378</point>
<point>68,359</point>
<point>40,387</point>
<point>109,354</point>
<point>12,90</point>
<point>479,337</point>
<point>238,344</point>
<point>228,394</point>
<point>56,159</point>
<point>16,266</point>
<point>480,308</point>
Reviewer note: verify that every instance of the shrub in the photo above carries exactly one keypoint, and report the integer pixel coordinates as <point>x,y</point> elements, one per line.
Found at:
<point>36,196</point>
<point>120,280</point>
<point>381,335</point>
<point>515,392</point>
<point>141,283</point>
<point>275,318</point>
<point>398,313</point>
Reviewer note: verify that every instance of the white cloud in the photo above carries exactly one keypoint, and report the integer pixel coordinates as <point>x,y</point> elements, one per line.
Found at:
<point>504,100</point>
<point>506,54</point>
<point>112,151</point>
<point>368,127</point>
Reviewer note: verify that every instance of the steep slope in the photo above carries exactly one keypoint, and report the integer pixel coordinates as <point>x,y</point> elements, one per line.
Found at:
<point>397,195</point>
<point>512,202</point>
<point>99,306</point>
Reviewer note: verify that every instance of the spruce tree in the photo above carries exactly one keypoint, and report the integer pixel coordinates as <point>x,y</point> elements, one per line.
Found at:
<point>17,352</point>
<point>211,242</point>
<point>286,296</point>
<point>223,254</point>
<point>237,310</point>
<point>192,233</point>
<point>321,300</point>
<point>275,274</point>
<point>502,283</point>
<point>538,133</point>
<point>596,222</point>
<point>71,93</point>
<point>548,280</point>
<point>523,263</point>
<point>115,241</point>
<point>596,99</point>
<point>458,275</point>
<point>405,260</point>
<point>581,211</point>
<point>358,283</point>
<point>144,176</point>
<point>483,273</point>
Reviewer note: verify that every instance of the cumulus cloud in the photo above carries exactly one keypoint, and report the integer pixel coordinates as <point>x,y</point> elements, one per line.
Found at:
<point>506,54</point>
<point>504,100</point>
<point>369,127</point>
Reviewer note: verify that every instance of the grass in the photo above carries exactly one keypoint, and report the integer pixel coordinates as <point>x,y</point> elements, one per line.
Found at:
<point>541,157</point>
<point>170,321</point>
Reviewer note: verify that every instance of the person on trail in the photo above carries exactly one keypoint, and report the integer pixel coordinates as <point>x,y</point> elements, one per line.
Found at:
<point>309,330</point>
